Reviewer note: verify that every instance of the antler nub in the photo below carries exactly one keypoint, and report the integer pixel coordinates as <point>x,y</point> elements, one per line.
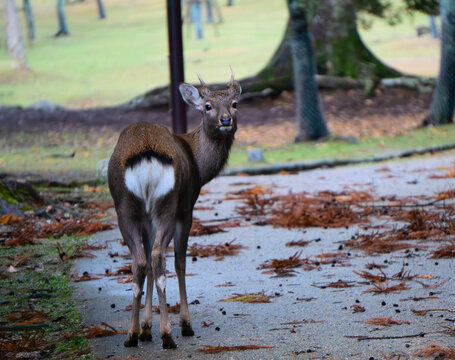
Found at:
<point>203,83</point>
<point>232,74</point>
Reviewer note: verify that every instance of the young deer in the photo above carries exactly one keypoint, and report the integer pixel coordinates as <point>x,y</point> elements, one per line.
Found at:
<point>155,178</point>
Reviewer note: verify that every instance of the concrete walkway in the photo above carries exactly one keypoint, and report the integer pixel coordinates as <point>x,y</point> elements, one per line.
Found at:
<point>323,321</point>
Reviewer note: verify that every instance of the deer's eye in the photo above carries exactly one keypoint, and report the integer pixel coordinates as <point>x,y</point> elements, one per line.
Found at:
<point>234,104</point>
<point>208,107</point>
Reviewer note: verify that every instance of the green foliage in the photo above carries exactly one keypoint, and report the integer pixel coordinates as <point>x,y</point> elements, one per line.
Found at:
<point>393,11</point>
<point>430,7</point>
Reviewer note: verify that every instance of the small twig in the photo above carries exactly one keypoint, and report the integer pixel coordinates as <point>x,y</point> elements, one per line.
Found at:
<point>223,219</point>
<point>360,337</point>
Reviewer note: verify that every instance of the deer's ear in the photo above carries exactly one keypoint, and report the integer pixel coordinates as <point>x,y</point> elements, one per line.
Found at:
<point>235,88</point>
<point>191,96</point>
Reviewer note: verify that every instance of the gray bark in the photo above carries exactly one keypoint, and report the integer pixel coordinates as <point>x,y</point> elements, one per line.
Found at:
<point>442,106</point>
<point>62,26</point>
<point>30,19</point>
<point>13,36</point>
<point>339,50</point>
<point>101,11</point>
<point>434,32</point>
<point>310,119</point>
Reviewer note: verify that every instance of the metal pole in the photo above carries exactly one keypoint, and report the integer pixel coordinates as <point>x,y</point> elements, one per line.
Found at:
<point>174,23</point>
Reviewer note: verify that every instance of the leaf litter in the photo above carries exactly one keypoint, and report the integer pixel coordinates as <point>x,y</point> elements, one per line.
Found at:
<point>385,321</point>
<point>435,348</point>
<point>252,298</point>
<point>97,331</point>
<point>219,250</point>
<point>209,349</point>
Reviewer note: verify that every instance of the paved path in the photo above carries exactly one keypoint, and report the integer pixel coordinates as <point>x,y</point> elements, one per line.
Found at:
<point>328,316</point>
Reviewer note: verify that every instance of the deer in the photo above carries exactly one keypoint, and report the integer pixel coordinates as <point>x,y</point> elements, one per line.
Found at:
<point>155,178</point>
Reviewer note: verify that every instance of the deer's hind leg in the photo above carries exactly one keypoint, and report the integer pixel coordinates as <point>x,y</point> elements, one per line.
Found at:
<point>182,231</point>
<point>165,226</point>
<point>148,237</point>
<point>131,230</point>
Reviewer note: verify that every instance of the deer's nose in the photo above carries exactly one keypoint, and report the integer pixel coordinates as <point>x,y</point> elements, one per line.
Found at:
<point>225,120</point>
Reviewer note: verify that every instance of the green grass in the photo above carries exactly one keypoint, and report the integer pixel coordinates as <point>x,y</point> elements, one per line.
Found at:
<point>107,62</point>
<point>31,152</point>
<point>400,47</point>
<point>365,148</point>
<point>62,313</point>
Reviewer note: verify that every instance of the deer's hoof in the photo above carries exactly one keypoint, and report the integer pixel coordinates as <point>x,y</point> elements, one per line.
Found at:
<point>146,333</point>
<point>187,330</point>
<point>167,341</point>
<point>131,340</point>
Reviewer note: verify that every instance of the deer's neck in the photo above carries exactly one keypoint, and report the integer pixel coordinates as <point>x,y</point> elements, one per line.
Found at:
<point>211,154</point>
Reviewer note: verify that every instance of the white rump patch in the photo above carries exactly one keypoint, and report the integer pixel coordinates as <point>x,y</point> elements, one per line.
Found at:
<point>150,179</point>
<point>161,282</point>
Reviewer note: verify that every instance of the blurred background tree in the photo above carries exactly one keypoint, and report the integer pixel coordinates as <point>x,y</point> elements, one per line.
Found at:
<point>62,25</point>
<point>13,36</point>
<point>442,106</point>
<point>339,50</point>
<point>311,123</point>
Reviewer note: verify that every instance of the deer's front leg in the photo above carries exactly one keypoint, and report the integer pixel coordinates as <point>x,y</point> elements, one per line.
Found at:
<point>163,237</point>
<point>182,231</point>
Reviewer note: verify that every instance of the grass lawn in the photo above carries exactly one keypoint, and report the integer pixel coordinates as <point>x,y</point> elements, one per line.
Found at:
<point>107,62</point>
<point>39,158</point>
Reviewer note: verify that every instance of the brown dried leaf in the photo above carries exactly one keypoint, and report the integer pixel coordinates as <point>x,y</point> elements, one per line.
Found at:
<point>436,349</point>
<point>357,308</point>
<point>431,286</point>
<point>340,284</point>
<point>227,249</point>
<point>298,243</point>
<point>174,309</point>
<point>384,321</point>
<point>85,277</point>
<point>384,288</point>
<point>197,229</point>
<point>259,297</point>
<point>96,331</point>
<point>208,349</point>
<point>9,219</point>
<point>445,252</point>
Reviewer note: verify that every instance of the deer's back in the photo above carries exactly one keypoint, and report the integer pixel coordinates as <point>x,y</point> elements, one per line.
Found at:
<point>150,162</point>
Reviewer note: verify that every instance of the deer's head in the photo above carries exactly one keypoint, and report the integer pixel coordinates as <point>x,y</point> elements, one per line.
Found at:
<point>219,107</point>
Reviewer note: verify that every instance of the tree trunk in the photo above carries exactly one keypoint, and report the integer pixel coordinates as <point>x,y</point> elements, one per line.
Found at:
<point>310,119</point>
<point>13,36</point>
<point>30,20</point>
<point>196,17</point>
<point>442,106</point>
<point>434,32</point>
<point>208,4</point>
<point>339,49</point>
<point>101,11</point>
<point>62,27</point>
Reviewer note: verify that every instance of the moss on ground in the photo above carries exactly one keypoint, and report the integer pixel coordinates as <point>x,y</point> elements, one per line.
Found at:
<point>43,284</point>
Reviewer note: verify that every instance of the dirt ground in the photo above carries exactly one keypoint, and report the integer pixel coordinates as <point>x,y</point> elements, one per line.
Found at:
<point>348,113</point>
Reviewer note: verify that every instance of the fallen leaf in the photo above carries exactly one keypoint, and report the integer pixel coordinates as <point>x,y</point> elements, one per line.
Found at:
<point>385,321</point>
